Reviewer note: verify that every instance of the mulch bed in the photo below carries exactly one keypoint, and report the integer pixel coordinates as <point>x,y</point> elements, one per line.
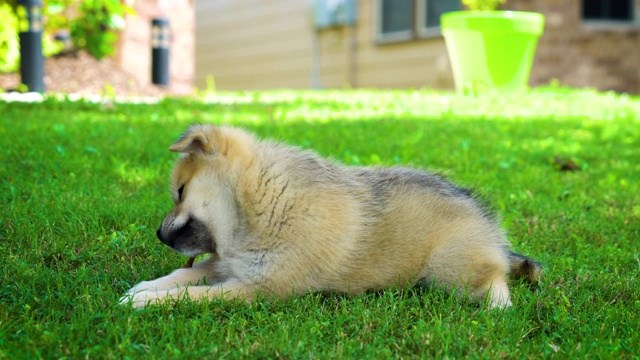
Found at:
<point>79,73</point>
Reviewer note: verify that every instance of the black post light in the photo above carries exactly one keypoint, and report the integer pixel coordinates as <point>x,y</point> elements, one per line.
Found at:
<point>30,33</point>
<point>160,40</point>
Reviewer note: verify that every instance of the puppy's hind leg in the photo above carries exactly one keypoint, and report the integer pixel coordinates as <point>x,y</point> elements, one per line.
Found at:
<point>480,270</point>
<point>498,294</point>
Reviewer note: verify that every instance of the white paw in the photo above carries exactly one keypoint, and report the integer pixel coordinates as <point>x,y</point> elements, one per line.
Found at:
<point>142,286</point>
<point>500,304</point>
<point>140,299</point>
<point>140,294</point>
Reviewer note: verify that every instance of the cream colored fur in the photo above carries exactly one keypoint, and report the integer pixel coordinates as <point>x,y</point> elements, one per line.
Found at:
<point>282,221</point>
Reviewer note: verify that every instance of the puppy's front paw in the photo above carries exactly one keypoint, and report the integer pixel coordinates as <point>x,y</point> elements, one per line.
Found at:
<point>140,294</point>
<point>140,299</point>
<point>142,286</point>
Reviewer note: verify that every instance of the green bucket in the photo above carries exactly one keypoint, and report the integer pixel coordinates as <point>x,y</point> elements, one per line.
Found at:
<point>491,49</point>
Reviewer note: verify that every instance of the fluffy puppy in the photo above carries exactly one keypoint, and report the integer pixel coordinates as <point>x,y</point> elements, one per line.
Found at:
<point>283,221</point>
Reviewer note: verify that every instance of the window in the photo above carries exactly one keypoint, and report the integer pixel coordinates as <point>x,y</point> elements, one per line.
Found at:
<point>401,20</point>
<point>608,10</point>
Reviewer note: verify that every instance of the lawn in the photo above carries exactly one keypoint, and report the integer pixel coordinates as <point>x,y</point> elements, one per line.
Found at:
<point>84,185</point>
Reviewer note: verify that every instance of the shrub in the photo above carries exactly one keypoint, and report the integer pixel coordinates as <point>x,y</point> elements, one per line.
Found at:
<point>95,28</point>
<point>9,47</point>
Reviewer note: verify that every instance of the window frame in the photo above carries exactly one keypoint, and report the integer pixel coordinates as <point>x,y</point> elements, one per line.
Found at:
<point>610,22</point>
<point>422,28</point>
<point>418,29</point>
<point>390,37</point>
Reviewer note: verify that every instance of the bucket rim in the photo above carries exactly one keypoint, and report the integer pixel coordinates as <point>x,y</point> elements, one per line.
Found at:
<point>496,20</point>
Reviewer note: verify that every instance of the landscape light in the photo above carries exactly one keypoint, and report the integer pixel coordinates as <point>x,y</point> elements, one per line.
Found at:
<point>30,33</point>
<point>160,41</point>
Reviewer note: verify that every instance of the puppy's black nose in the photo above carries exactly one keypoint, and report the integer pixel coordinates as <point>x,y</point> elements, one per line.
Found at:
<point>161,238</point>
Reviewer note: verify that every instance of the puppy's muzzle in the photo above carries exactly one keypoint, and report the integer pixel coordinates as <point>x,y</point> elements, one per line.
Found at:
<point>192,238</point>
<point>165,239</point>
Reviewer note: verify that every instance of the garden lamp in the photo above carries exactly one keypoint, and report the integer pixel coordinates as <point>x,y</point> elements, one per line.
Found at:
<point>30,26</point>
<point>160,39</point>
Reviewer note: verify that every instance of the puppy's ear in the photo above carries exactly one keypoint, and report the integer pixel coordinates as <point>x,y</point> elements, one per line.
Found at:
<point>194,140</point>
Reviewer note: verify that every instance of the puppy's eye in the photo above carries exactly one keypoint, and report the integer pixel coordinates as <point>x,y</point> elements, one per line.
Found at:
<point>180,190</point>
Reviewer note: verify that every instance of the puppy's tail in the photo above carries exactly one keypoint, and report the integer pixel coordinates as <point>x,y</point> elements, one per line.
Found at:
<point>525,268</point>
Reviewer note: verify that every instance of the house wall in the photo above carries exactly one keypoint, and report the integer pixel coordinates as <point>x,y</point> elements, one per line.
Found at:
<point>267,44</point>
<point>253,44</point>
<point>263,44</point>
<point>577,53</point>
<point>351,57</point>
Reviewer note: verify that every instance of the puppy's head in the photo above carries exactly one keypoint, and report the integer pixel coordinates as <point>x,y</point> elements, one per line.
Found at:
<point>204,216</point>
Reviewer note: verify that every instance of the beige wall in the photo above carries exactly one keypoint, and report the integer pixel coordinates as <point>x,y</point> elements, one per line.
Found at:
<point>353,58</point>
<point>266,44</point>
<point>253,44</point>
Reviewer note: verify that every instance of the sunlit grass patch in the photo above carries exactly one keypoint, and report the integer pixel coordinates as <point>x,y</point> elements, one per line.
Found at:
<point>83,186</point>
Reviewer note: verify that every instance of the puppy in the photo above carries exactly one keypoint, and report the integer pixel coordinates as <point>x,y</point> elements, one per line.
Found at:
<point>281,221</point>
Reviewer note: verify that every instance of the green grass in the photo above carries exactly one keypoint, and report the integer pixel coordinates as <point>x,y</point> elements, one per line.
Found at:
<point>83,187</point>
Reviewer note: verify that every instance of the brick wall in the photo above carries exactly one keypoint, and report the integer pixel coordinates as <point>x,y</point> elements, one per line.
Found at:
<point>134,49</point>
<point>578,53</point>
